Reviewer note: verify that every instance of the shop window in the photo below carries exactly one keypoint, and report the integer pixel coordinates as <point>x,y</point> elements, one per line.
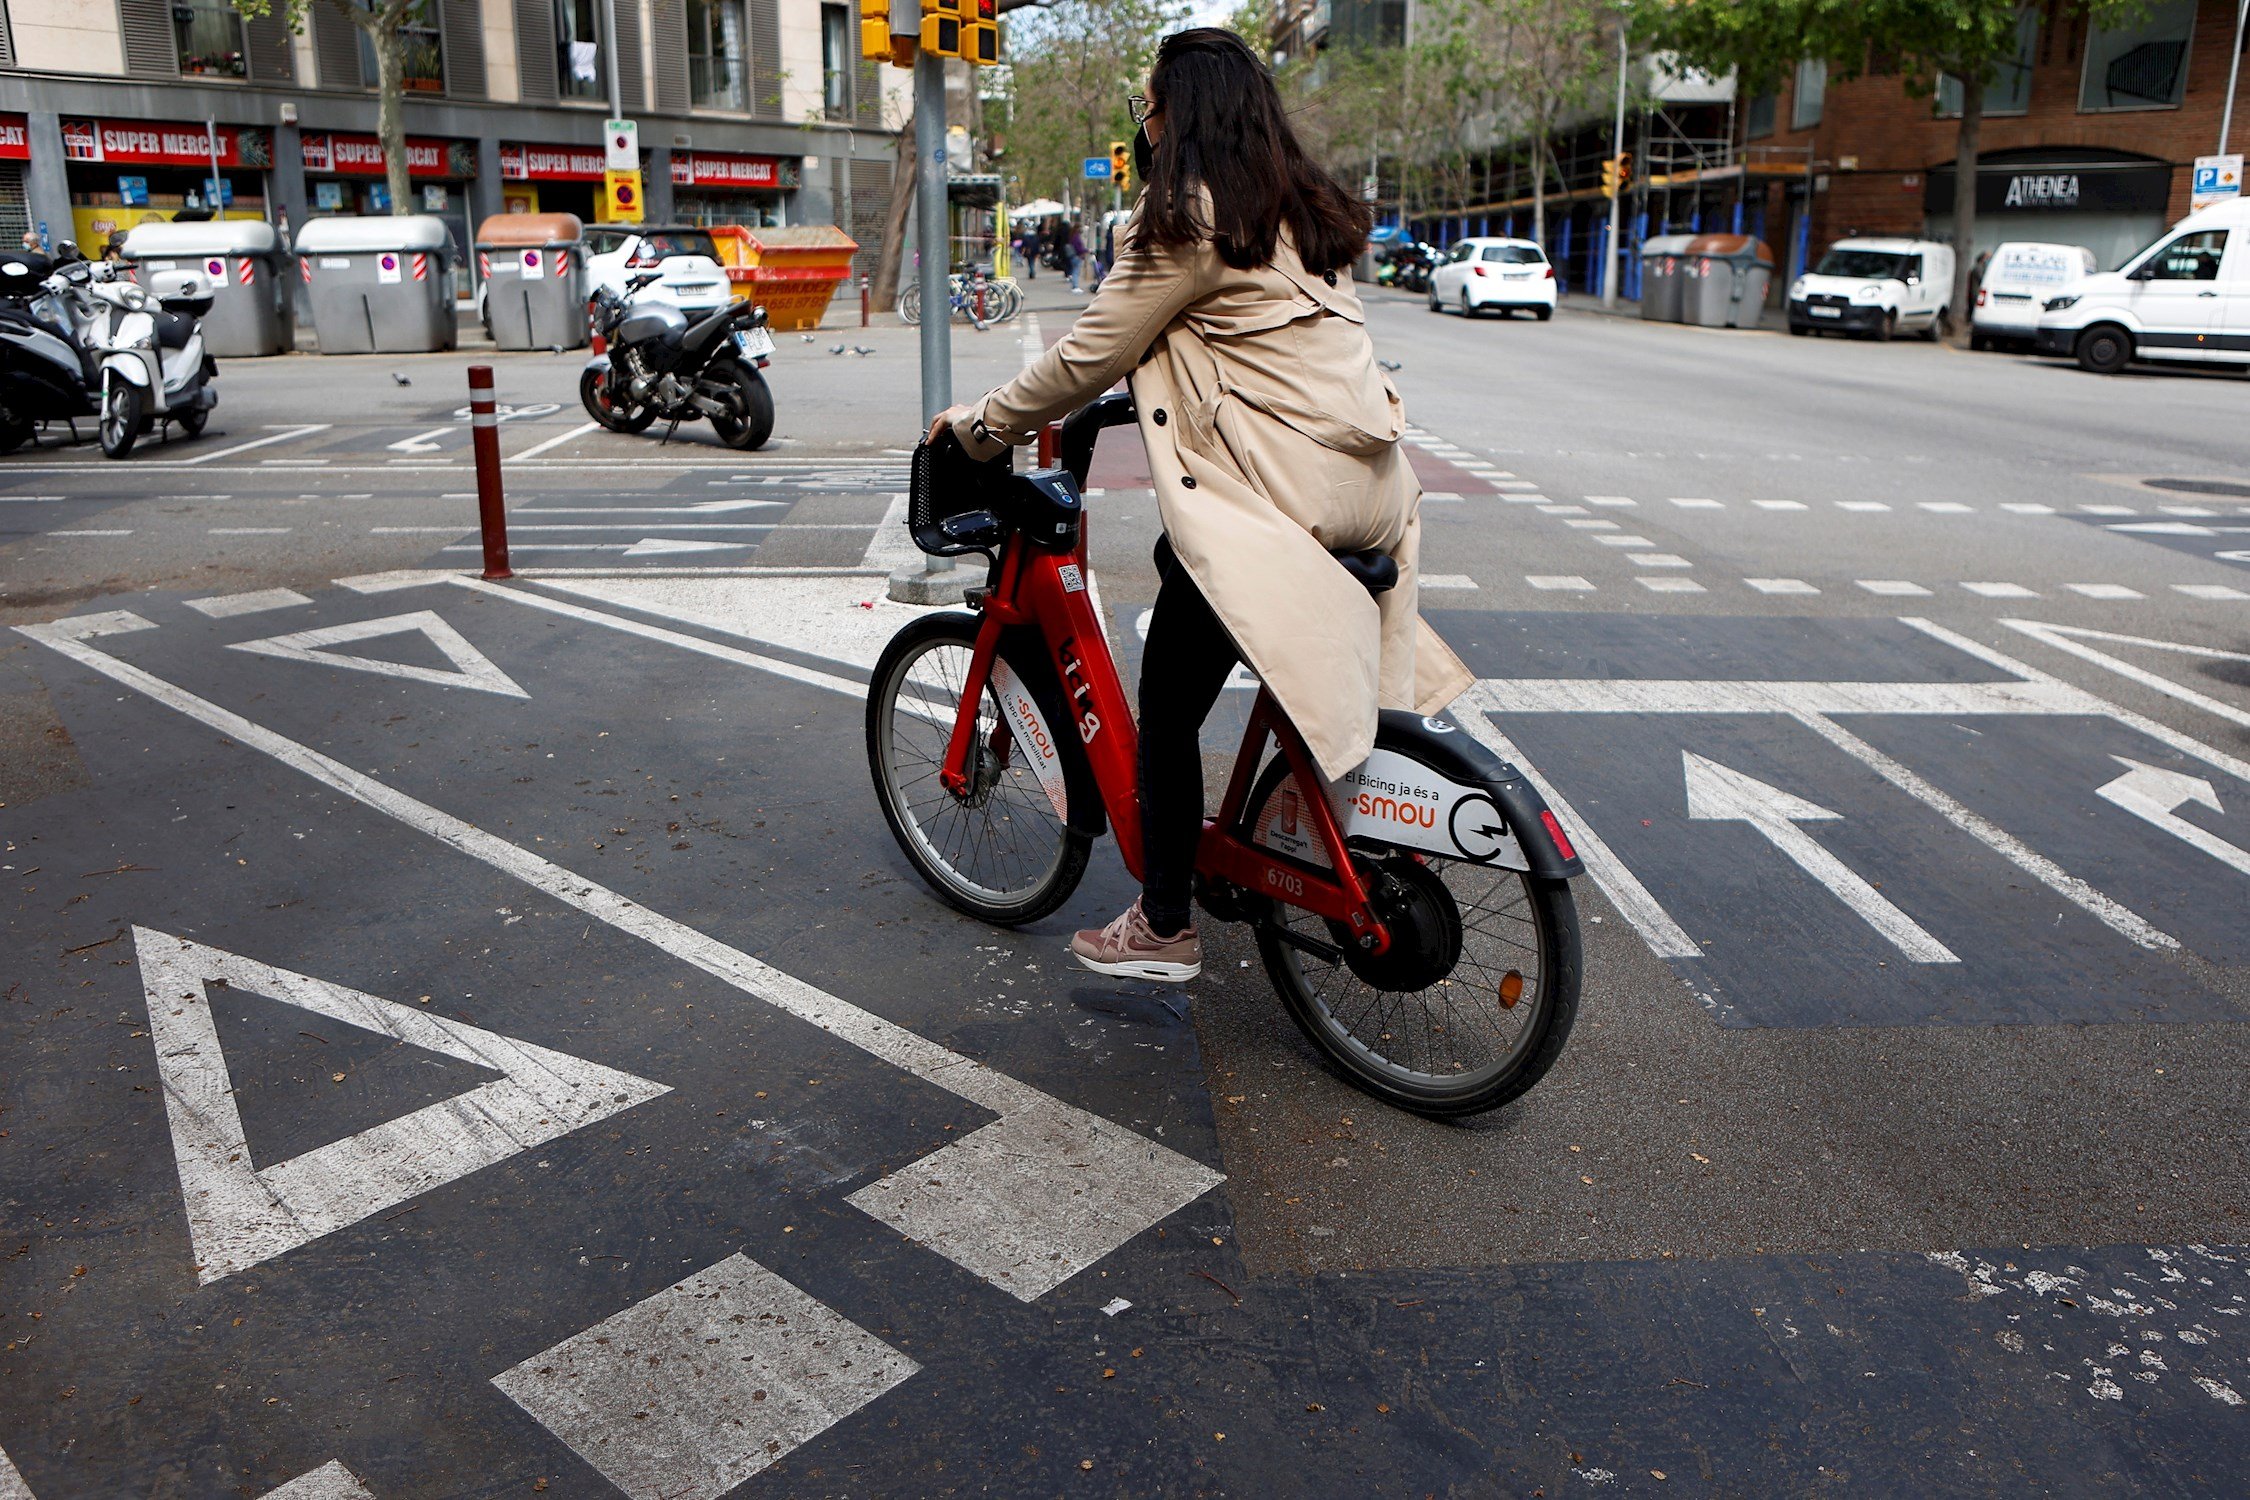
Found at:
<point>2008,90</point>
<point>1810,94</point>
<point>578,50</point>
<point>715,54</point>
<point>836,54</point>
<point>2142,65</point>
<point>1757,120</point>
<point>423,62</point>
<point>209,34</point>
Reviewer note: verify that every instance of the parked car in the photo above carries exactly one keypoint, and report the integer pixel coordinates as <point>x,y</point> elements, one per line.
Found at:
<point>694,279</point>
<point>2018,280</point>
<point>1874,288</point>
<point>1509,275</point>
<point>2186,297</point>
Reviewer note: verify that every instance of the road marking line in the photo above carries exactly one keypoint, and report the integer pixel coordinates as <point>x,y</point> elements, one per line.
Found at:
<point>2107,510</point>
<point>279,437</point>
<point>1447,581</point>
<point>1781,585</point>
<point>126,532</point>
<point>1624,539</point>
<point>1891,587</point>
<point>1780,504</point>
<point>226,606</point>
<point>1861,505</point>
<point>2058,636</point>
<point>2105,591</point>
<point>1717,793</point>
<point>57,499</point>
<point>1590,523</point>
<point>1108,1206</point>
<point>1944,507</point>
<point>1671,585</point>
<point>687,1394</point>
<point>472,668</point>
<point>554,442</point>
<point>1562,510</point>
<point>12,1486</point>
<point>240,1214</point>
<point>1693,503</point>
<point>1610,500</point>
<point>2026,508</point>
<point>1556,582</point>
<point>2151,793</point>
<point>663,546</point>
<point>2001,590</point>
<point>1655,559</point>
<point>331,1481</point>
<point>1664,937</point>
<point>891,546</point>
<point>419,442</point>
<point>248,530</point>
<point>2208,591</point>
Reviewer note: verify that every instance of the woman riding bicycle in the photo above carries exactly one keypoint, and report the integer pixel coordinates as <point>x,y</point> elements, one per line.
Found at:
<point>1273,439</point>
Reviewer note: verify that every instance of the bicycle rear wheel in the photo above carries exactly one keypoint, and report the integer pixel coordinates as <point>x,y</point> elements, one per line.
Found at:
<point>910,303</point>
<point>1471,1005</point>
<point>1005,852</point>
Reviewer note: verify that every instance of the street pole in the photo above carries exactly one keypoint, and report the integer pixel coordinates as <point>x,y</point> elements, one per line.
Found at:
<point>609,60</point>
<point>1617,188</point>
<point>2234,71</point>
<point>219,187</point>
<point>936,581</point>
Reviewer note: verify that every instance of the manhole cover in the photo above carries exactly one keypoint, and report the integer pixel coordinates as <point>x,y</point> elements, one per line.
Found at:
<point>2201,487</point>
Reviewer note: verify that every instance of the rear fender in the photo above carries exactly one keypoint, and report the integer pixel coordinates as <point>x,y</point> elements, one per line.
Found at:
<point>1030,659</point>
<point>1431,786</point>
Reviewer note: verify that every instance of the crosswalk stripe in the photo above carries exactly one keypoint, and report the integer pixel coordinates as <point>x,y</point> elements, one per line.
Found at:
<point>1781,585</point>
<point>1559,582</point>
<point>2105,591</point>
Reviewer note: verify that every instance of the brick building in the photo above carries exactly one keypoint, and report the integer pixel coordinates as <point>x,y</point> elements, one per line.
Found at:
<point>2088,137</point>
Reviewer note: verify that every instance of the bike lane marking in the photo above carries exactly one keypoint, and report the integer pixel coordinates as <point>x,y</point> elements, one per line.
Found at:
<point>1031,1199</point>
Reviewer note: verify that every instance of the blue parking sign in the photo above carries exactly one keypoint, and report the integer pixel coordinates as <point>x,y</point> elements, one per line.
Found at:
<point>1097,168</point>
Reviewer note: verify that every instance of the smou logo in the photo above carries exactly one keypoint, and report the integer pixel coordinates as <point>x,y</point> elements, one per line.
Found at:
<point>1391,810</point>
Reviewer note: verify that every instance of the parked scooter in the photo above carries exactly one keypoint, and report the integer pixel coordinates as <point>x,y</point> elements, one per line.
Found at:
<point>659,363</point>
<point>95,343</point>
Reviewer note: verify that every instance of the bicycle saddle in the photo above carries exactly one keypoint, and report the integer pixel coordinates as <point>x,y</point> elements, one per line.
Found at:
<point>1377,572</point>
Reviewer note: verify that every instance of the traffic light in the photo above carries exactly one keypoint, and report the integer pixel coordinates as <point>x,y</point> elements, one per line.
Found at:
<point>980,38</point>
<point>875,30</point>
<point>1121,166</point>
<point>1609,176</point>
<point>1625,169</point>
<point>941,27</point>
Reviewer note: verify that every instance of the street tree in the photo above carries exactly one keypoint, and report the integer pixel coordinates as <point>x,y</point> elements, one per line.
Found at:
<point>1072,64</point>
<point>1550,60</point>
<point>1967,41</point>
<point>385,23</point>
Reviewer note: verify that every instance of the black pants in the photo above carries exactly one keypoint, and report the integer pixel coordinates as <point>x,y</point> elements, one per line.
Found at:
<point>1184,665</point>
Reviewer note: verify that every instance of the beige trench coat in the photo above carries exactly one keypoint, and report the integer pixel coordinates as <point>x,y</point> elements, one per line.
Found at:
<point>1273,438</point>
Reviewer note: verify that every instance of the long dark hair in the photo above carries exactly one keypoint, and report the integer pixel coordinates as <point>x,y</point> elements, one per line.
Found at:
<point>1224,131</point>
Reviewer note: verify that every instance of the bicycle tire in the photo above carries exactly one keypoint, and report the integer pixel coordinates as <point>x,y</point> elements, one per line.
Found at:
<point>1542,911</point>
<point>910,303</point>
<point>1011,301</point>
<point>949,839</point>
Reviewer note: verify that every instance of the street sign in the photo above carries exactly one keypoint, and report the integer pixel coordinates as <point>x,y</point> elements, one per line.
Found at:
<point>621,143</point>
<point>1097,169</point>
<point>624,193</point>
<point>2218,179</point>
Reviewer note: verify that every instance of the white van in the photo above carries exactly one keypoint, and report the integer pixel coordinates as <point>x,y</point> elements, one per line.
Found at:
<point>1875,288</point>
<point>2186,297</point>
<point>2018,280</point>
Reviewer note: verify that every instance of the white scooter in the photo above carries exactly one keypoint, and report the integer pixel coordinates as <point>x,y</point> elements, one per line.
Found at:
<point>148,349</point>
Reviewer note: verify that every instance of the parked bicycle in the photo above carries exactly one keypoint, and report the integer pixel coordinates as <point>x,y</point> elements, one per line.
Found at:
<point>997,301</point>
<point>1416,917</point>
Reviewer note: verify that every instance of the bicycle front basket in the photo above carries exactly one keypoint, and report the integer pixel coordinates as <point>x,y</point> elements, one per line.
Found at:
<point>952,503</point>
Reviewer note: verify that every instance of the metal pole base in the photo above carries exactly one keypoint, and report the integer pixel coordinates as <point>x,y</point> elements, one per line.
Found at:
<point>912,584</point>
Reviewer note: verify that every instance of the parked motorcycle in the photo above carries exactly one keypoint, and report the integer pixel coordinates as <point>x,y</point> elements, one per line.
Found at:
<point>92,342</point>
<point>661,363</point>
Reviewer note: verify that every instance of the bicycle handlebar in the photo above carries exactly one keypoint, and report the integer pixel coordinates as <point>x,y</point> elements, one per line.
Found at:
<point>1083,426</point>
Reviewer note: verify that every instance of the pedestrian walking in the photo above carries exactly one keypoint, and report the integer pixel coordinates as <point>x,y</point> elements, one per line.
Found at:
<point>1075,252</point>
<point>1273,437</point>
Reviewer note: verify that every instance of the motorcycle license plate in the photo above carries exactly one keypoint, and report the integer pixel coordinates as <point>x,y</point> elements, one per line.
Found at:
<point>754,343</point>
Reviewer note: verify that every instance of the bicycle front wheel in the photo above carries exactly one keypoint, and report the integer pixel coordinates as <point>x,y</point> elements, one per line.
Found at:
<point>1005,849</point>
<point>910,303</point>
<point>1472,1003</point>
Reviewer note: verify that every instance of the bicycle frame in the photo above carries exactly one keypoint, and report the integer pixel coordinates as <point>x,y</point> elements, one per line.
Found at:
<point>1047,591</point>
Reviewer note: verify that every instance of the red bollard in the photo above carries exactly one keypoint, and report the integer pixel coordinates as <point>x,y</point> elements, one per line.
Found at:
<point>980,296</point>
<point>484,437</point>
<point>863,302</point>
<point>1050,437</point>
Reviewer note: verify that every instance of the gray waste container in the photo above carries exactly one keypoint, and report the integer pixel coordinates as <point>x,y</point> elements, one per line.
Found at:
<point>1725,280</point>
<point>1661,277</point>
<point>246,267</point>
<point>533,268</point>
<point>381,285</point>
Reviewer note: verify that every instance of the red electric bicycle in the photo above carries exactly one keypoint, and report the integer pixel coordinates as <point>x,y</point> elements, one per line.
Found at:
<point>1416,918</point>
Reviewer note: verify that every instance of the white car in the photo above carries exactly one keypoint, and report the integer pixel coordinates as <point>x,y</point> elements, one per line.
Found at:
<point>1875,288</point>
<point>1504,274</point>
<point>2018,280</point>
<point>693,278</point>
<point>2186,297</point>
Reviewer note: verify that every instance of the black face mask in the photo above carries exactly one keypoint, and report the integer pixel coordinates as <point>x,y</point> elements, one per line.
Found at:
<point>1144,155</point>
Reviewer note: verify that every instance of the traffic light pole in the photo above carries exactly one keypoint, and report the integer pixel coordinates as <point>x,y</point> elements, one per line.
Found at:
<point>936,581</point>
<point>1617,180</point>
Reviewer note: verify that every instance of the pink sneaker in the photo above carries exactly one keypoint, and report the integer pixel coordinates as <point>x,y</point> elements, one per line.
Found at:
<point>1129,949</point>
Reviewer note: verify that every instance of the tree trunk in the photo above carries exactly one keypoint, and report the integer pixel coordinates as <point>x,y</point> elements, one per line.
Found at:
<point>1961,309</point>
<point>389,44</point>
<point>884,292</point>
<point>1539,188</point>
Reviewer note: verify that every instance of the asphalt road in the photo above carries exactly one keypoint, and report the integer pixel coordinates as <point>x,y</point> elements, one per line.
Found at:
<point>474,1039</point>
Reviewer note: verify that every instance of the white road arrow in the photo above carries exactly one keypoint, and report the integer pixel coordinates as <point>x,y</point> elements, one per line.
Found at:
<point>1717,794</point>
<point>2151,792</point>
<point>419,443</point>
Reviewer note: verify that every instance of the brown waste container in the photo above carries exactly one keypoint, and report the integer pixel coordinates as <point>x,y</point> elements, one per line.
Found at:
<point>1726,276</point>
<point>533,269</point>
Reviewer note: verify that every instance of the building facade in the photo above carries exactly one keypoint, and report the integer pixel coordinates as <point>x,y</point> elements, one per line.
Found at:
<point>758,112</point>
<point>2089,136</point>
